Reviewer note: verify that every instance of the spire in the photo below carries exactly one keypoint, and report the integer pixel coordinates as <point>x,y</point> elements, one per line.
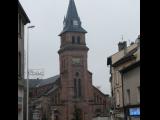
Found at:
<point>72,11</point>
<point>72,21</point>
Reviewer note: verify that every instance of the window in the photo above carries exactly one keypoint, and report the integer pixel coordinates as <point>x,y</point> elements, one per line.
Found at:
<point>138,95</point>
<point>73,40</point>
<point>55,99</point>
<point>94,98</point>
<point>19,64</point>
<point>117,76</point>
<point>97,99</point>
<point>77,87</point>
<point>128,96</point>
<point>78,39</point>
<point>58,98</point>
<point>64,63</point>
<point>118,98</point>
<point>100,100</point>
<point>77,74</point>
<point>19,25</point>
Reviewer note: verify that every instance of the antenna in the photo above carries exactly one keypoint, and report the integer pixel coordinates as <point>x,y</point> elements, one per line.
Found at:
<point>122,37</point>
<point>36,73</point>
<point>129,41</point>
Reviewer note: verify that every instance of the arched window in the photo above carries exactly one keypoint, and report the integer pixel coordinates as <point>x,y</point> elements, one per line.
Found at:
<point>58,98</point>
<point>97,99</point>
<point>100,100</point>
<point>77,88</point>
<point>55,99</point>
<point>94,97</point>
<point>77,74</point>
<point>118,98</point>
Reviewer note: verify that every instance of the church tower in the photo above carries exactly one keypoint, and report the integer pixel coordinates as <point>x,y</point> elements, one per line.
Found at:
<point>76,83</point>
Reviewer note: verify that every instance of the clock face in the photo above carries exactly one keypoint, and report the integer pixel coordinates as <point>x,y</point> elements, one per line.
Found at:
<point>75,22</point>
<point>76,60</point>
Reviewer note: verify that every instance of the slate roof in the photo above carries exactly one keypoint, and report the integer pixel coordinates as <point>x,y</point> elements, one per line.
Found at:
<point>49,80</point>
<point>72,11</point>
<point>34,82</point>
<point>23,13</point>
<point>41,82</point>
<point>51,90</point>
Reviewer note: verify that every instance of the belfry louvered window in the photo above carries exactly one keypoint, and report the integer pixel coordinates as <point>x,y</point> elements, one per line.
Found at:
<point>78,40</point>
<point>73,40</point>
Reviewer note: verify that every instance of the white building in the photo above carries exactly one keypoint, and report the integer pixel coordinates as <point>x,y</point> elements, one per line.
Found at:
<point>123,83</point>
<point>22,20</point>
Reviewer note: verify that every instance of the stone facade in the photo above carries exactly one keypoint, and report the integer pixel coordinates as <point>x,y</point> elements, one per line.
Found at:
<point>71,95</point>
<point>48,100</point>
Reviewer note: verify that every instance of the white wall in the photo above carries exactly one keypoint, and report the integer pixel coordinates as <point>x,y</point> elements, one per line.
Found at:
<point>132,81</point>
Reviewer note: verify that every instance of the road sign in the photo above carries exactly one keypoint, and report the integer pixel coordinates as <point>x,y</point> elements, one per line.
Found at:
<point>36,73</point>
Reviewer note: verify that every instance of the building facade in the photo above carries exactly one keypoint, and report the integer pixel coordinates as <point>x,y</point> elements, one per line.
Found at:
<point>71,94</point>
<point>131,88</point>
<point>124,58</point>
<point>46,102</point>
<point>22,21</point>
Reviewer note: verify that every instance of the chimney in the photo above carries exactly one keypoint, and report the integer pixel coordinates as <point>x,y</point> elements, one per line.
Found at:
<point>122,45</point>
<point>138,40</point>
<point>132,43</point>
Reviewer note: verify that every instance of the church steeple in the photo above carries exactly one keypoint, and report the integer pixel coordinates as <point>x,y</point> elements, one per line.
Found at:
<point>72,22</point>
<point>72,11</point>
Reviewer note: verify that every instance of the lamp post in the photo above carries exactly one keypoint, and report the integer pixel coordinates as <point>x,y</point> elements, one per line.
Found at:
<point>29,27</point>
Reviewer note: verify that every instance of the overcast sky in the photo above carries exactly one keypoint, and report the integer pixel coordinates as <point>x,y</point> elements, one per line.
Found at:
<point>105,21</point>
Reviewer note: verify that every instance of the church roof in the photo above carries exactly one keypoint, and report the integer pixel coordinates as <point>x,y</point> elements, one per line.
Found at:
<point>51,90</point>
<point>42,82</point>
<point>49,80</point>
<point>72,11</point>
<point>70,17</point>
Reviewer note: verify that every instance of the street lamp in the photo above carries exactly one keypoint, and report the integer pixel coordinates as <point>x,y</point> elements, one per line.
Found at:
<point>29,27</point>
